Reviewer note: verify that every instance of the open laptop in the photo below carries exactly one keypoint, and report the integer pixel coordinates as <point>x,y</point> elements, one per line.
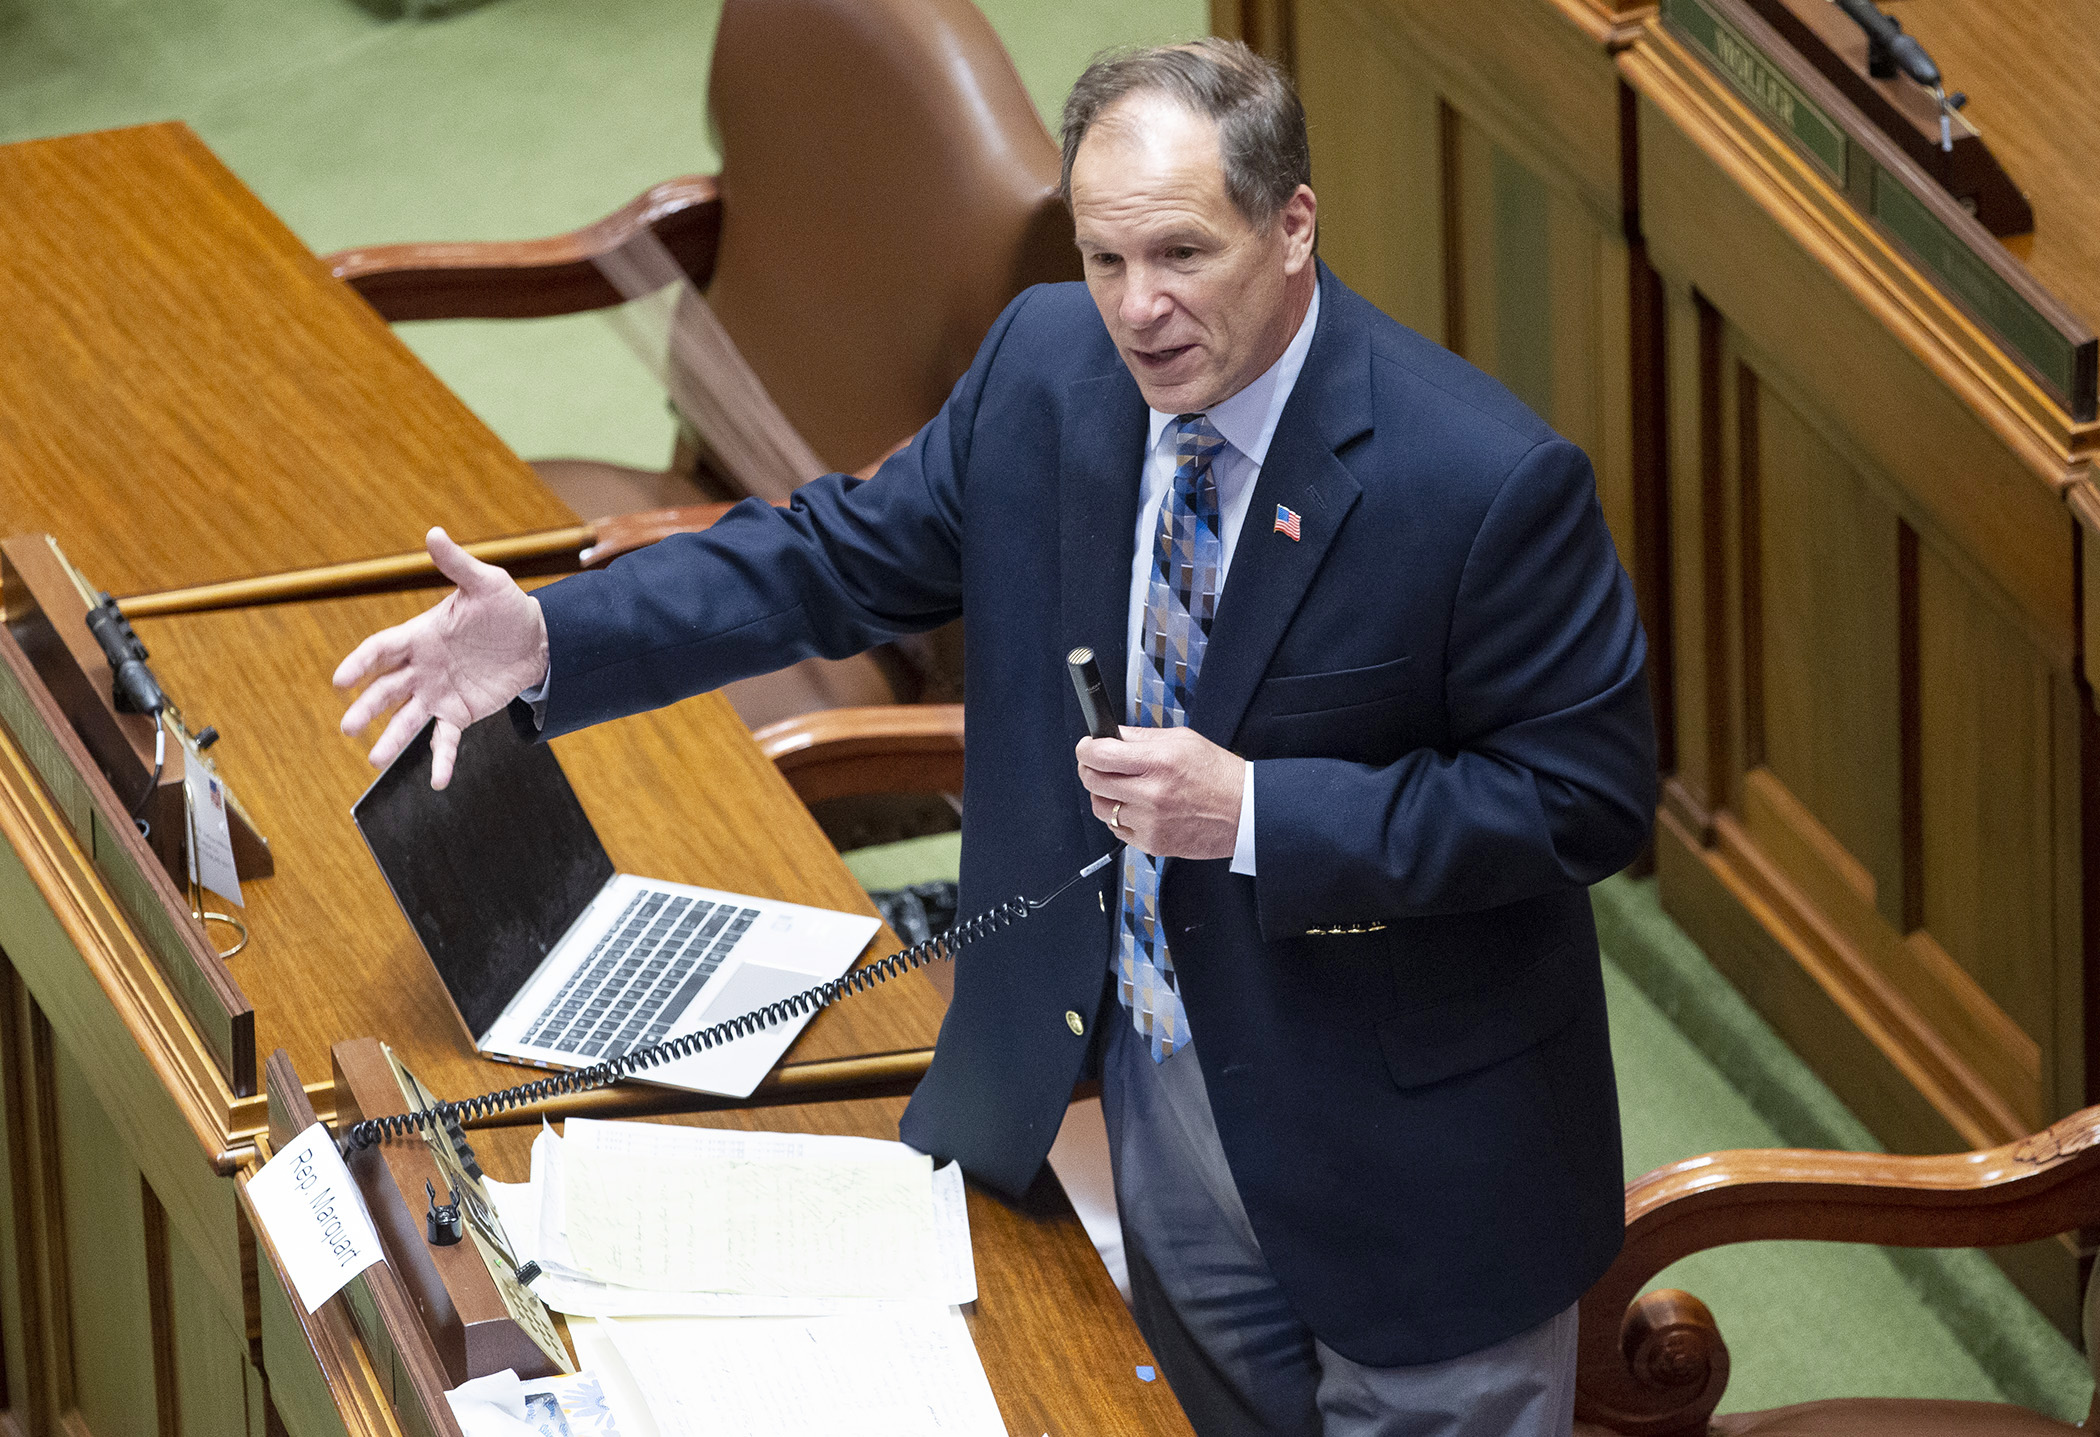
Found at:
<point>553,959</point>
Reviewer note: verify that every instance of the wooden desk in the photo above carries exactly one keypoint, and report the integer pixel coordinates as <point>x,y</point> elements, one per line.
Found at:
<point>185,396</point>
<point>2027,67</point>
<point>681,794</point>
<point>1056,1341</point>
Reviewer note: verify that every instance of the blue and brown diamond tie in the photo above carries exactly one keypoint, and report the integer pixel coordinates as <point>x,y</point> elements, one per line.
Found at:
<point>1188,552</point>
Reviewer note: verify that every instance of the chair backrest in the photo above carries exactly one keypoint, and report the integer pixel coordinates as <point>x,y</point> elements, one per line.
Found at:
<point>887,187</point>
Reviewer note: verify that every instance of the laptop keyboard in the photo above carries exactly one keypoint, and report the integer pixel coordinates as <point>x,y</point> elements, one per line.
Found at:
<point>644,972</point>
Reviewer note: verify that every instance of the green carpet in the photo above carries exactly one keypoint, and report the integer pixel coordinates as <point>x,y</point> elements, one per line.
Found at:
<point>528,117</point>
<point>1699,1071</point>
<point>514,119</point>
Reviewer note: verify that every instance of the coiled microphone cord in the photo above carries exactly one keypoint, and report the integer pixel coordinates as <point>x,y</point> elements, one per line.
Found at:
<point>939,948</point>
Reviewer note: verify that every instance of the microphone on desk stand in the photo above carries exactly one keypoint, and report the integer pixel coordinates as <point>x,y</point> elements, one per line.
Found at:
<point>136,691</point>
<point>1890,50</point>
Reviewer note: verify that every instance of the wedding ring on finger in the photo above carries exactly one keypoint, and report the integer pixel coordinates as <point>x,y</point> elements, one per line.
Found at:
<point>1115,816</point>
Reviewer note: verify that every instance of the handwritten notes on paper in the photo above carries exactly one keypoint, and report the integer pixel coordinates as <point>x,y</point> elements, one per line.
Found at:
<point>874,1375</point>
<point>772,1283</point>
<point>688,1210</point>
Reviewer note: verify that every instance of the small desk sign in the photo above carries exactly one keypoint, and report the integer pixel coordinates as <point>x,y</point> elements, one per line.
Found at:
<point>307,1202</point>
<point>211,836</point>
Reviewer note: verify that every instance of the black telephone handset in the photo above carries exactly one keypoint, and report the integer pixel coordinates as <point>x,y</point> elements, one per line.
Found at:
<point>1101,723</point>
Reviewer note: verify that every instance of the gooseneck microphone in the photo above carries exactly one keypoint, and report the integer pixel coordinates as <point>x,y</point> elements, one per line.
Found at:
<point>137,691</point>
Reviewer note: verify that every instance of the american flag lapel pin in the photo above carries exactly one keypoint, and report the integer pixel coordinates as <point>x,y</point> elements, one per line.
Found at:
<point>1287,523</point>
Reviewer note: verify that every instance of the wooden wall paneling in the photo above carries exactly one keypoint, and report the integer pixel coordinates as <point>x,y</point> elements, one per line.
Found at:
<point>1595,370</point>
<point>1502,265</point>
<point>15,1303</point>
<point>1538,296</point>
<point>160,1312</point>
<point>1544,87</point>
<point>1821,687</point>
<point>1800,663</point>
<point>216,1388</point>
<point>1773,544</point>
<point>1987,746</point>
<point>108,1380</point>
<point>1734,230</point>
<point>1648,448</point>
<point>1690,330</point>
<point>1474,170</point>
<point>1780,964</point>
<point>1894,867</point>
<point>2064,1066</point>
<point>25,1289</point>
<point>1268,26</point>
<point>69,966</point>
<point>319,1381</point>
<point>1373,123</point>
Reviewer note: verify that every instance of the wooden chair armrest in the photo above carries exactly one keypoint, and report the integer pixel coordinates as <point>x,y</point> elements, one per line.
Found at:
<point>545,551</point>
<point>1656,1364</point>
<point>530,279</point>
<point>887,748</point>
<point>618,534</point>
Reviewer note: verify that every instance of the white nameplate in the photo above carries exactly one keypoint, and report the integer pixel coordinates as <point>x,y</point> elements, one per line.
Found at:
<point>306,1201</point>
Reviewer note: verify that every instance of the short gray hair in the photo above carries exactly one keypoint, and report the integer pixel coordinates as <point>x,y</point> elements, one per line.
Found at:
<point>1261,124</point>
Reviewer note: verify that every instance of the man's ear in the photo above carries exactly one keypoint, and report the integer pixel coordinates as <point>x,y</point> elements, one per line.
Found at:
<point>1300,220</point>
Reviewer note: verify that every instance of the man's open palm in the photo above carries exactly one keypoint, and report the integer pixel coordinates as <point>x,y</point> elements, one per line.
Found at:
<point>456,663</point>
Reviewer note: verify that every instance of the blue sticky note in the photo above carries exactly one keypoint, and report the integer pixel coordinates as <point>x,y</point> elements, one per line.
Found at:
<point>1146,1374</point>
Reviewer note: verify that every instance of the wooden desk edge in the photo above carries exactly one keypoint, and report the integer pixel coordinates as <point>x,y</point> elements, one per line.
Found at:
<point>876,1075</point>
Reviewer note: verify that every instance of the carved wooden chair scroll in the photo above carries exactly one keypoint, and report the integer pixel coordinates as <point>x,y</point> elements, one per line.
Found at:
<point>1655,1364</point>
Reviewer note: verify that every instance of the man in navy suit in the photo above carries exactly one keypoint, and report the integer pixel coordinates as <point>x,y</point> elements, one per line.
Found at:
<point>1341,986</point>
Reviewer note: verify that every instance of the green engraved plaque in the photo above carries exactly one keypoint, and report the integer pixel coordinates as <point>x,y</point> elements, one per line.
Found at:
<point>38,745</point>
<point>1968,278</point>
<point>1759,81</point>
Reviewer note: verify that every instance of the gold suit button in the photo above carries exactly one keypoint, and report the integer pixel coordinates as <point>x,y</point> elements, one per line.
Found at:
<point>1072,1022</point>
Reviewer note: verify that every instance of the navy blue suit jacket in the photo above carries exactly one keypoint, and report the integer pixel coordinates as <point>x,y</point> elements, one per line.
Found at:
<point>1441,686</point>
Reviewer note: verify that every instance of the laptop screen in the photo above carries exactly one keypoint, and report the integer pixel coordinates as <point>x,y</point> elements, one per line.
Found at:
<point>492,870</point>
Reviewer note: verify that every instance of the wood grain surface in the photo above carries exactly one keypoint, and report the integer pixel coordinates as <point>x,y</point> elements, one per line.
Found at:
<point>1657,1363</point>
<point>682,794</point>
<point>2027,67</point>
<point>186,395</point>
<point>1057,1343</point>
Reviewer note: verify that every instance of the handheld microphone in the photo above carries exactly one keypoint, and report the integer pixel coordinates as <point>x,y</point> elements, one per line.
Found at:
<point>137,691</point>
<point>1093,694</point>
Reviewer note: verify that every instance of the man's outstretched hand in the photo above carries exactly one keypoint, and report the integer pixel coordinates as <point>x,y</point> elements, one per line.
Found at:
<point>459,662</point>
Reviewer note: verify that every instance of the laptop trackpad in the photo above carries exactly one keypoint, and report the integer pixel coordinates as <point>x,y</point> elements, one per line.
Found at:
<point>735,1068</point>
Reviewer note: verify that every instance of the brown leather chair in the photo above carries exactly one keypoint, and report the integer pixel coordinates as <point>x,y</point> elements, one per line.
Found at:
<point>1655,1363</point>
<point>839,756</point>
<point>886,188</point>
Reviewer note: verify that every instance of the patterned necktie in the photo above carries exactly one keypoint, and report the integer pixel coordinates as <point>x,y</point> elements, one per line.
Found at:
<point>1179,602</point>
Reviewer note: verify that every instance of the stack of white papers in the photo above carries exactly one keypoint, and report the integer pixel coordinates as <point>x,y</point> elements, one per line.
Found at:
<point>769,1284</point>
<point>642,1219</point>
<point>894,1374</point>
